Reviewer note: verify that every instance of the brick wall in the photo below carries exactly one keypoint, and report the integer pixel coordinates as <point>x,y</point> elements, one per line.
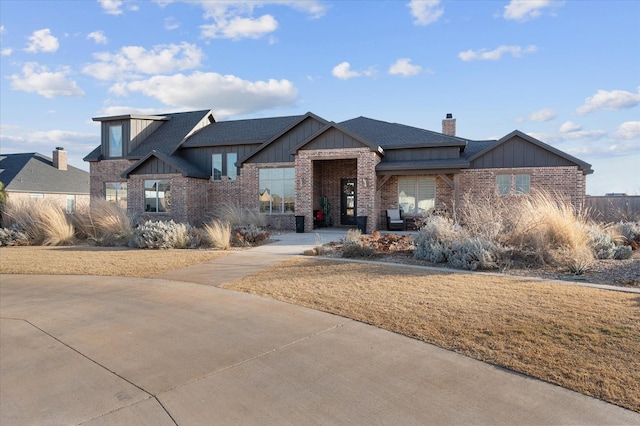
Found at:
<point>106,171</point>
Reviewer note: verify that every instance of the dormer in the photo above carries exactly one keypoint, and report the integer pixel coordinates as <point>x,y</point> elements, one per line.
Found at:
<point>121,134</point>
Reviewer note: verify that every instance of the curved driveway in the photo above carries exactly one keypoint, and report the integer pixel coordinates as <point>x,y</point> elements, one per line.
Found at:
<point>109,350</point>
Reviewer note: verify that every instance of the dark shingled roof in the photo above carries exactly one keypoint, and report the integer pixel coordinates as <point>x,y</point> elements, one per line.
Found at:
<point>474,147</point>
<point>185,167</point>
<point>256,130</point>
<point>34,172</point>
<point>393,135</point>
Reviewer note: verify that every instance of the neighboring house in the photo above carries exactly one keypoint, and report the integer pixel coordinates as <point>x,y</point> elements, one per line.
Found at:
<point>36,176</point>
<point>181,166</point>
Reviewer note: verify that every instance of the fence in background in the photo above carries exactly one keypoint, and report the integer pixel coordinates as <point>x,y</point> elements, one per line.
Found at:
<point>613,208</point>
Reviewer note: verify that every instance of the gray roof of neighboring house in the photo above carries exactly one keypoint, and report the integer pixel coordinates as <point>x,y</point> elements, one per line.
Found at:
<point>34,172</point>
<point>394,135</point>
<point>240,131</point>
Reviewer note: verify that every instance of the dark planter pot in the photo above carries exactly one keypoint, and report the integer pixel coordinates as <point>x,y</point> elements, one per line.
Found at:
<point>300,224</point>
<point>362,224</point>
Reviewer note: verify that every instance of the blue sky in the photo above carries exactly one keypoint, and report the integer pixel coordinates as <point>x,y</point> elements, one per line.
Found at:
<point>565,72</point>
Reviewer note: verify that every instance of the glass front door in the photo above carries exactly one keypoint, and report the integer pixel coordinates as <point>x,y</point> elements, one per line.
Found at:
<point>348,202</point>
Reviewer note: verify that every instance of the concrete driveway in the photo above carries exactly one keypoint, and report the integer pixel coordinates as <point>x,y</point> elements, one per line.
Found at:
<point>120,351</point>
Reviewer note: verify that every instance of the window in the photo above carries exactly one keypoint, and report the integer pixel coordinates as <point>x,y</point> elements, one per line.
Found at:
<point>115,141</point>
<point>232,171</point>
<point>71,203</point>
<point>116,192</point>
<point>522,184</point>
<point>157,195</point>
<point>503,183</point>
<point>36,195</point>
<point>277,190</point>
<point>416,194</point>
<point>216,164</point>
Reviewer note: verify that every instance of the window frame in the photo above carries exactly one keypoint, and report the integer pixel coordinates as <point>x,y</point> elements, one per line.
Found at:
<point>120,189</point>
<point>282,187</point>
<point>518,184</point>
<point>412,183</point>
<point>232,170</point>
<point>519,187</point>
<point>70,209</point>
<point>166,195</point>
<point>110,142</point>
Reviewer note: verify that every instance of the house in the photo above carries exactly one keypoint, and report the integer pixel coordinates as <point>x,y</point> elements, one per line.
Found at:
<point>181,166</point>
<point>36,176</point>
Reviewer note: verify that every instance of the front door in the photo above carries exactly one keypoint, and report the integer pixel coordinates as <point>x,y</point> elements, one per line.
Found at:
<point>348,202</point>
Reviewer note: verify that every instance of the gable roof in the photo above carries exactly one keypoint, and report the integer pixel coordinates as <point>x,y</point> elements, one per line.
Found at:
<point>585,167</point>
<point>184,167</point>
<point>34,172</point>
<point>332,125</point>
<point>232,132</point>
<point>394,135</point>
<point>284,130</point>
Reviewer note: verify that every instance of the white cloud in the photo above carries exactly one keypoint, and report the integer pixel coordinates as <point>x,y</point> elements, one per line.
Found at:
<point>343,71</point>
<point>403,67</point>
<point>545,114</point>
<point>6,51</point>
<point>524,10</point>
<point>42,41</point>
<point>425,12</point>
<point>111,7</point>
<point>238,28</point>
<point>131,61</point>
<point>98,37</point>
<point>569,127</point>
<point>171,24</point>
<point>629,130</point>
<point>2,29</point>
<point>613,101</point>
<point>115,110</point>
<point>235,20</point>
<point>226,94</point>
<point>496,54</point>
<point>38,79</point>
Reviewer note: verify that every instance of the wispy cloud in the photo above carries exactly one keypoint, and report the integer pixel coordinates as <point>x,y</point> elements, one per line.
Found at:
<point>42,41</point>
<point>496,54</point>
<point>404,67</point>
<point>629,130</point>
<point>98,37</point>
<point>425,12</point>
<point>524,10</point>
<point>609,100</point>
<point>38,79</point>
<point>343,71</point>
<point>569,127</point>
<point>171,23</point>
<point>545,114</point>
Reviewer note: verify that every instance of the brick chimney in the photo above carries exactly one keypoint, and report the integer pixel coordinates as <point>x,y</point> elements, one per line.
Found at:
<point>449,125</point>
<point>60,158</point>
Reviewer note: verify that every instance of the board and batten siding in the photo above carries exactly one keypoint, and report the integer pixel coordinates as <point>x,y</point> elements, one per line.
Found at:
<point>140,130</point>
<point>418,154</point>
<point>155,166</point>
<point>278,151</point>
<point>518,152</point>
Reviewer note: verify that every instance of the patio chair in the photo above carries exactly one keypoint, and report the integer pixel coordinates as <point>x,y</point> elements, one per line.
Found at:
<point>394,220</point>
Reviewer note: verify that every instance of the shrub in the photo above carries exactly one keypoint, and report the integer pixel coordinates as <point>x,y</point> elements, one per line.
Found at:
<point>104,223</point>
<point>623,252</point>
<point>435,239</point>
<point>164,235</point>
<point>630,231</point>
<point>474,253</point>
<point>249,235</point>
<point>601,242</point>
<point>13,237</point>
<point>353,247</point>
<point>218,235</point>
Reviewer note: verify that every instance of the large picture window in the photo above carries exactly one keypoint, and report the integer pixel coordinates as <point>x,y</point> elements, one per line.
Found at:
<point>116,192</point>
<point>228,161</point>
<point>416,194</point>
<point>157,195</point>
<point>115,141</point>
<point>277,190</point>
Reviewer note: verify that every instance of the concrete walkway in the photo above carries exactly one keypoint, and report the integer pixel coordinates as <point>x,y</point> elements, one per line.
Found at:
<point>124,351</point>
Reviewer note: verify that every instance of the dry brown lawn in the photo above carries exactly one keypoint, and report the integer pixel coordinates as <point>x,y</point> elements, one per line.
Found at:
<point>580,338</point>
<point>87,260</point>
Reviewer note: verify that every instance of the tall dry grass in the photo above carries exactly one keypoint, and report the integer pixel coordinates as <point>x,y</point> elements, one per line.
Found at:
<point>105,223</point>
<point>541,227</point>
<point>218,234</point>
<point>237,216</point>
<point>44,221</point>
